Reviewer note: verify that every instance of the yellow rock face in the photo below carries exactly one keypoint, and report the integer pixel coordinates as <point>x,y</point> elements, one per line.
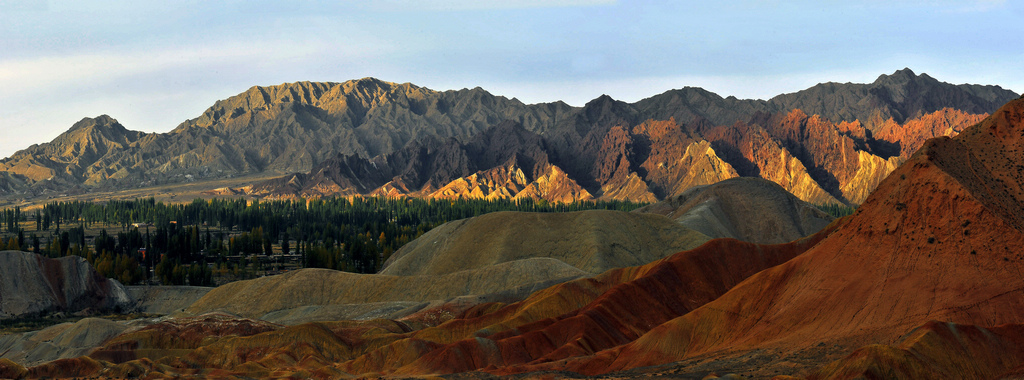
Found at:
<point>872,171</point>
<point>632,189</point>
<point>512,183</point>
<point>787,171</point>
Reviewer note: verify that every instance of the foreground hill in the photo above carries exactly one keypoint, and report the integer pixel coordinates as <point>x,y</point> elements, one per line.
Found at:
<point>344,295</point>
<point>725,210</point>
<point>511,252</point>
<point>826,153</point>
<point>62,341</point>
<point>565,319</point>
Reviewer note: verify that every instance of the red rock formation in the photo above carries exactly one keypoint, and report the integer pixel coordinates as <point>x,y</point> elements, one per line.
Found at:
<point>676,160</point>
<point>936,350</point>
<point>173,336</point>
<point>756,153</point>
<point>912,134</point>
<point>663,290</point>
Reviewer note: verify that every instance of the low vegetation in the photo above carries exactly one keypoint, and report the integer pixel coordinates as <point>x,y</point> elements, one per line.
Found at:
<point>836,210</point>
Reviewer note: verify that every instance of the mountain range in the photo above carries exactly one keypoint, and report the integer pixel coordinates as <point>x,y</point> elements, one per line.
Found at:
<point>923,280</point>
<point>831,143</point>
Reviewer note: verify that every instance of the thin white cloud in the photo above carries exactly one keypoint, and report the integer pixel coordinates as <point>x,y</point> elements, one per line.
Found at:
<point>463,5</point>
<point>44,73</point>
<point>982,5</point>
<point>109,67</point>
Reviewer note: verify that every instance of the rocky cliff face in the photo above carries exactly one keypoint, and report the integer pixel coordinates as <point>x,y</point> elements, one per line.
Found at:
<point>817,160</point>
<point>328,127</point>
<point>506,161</point>
<point>32,285</point>
<point>901,96</point>
<point>276,129</point>
<point>908,137</point>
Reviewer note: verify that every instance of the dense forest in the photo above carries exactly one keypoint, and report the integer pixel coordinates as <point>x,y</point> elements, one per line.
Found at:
<point>198,242</point>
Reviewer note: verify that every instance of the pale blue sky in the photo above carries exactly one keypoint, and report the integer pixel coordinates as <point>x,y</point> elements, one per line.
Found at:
<point>151,65</point>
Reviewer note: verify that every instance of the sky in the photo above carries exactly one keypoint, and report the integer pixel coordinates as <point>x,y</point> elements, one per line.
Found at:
<point>154,64</point>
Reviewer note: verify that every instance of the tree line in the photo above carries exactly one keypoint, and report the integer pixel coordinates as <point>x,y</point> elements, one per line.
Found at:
<point>188,243</point>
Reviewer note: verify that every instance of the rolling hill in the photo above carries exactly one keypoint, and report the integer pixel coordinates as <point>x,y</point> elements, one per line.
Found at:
<point>724,209</point>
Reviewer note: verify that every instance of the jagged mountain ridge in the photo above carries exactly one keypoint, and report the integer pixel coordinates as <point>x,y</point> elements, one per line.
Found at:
<point>901,96</point>
<point>295,126</point>
<point>819,161</point>
<point>285,129</point>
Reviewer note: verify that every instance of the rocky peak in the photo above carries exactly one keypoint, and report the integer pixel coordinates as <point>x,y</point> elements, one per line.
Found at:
<point>102,122</point>
<point>899,76</point>
<point>607,112</point>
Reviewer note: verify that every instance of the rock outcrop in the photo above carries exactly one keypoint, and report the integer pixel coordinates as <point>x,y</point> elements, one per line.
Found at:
<point>908,137</point>
<point>32,285</point>
<point>62,341</point>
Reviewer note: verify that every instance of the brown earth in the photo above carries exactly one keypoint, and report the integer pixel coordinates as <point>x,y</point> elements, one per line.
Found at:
<point>748,209</point>
<point>258,297</point>
<point>591,241</point>
<point>567,319</point>
<point>937,350</point>
<point>62,341</point>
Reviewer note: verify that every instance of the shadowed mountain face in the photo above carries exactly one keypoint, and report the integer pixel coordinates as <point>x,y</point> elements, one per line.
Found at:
<point>818,143</point>
<point>902,96</point>
<point>278,129</point>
